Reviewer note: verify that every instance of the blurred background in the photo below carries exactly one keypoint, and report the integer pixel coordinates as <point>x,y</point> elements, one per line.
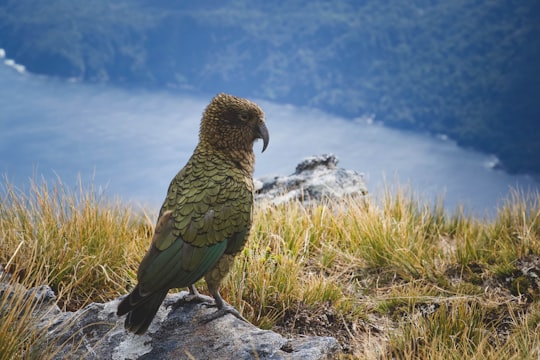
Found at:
<point>441,95</point>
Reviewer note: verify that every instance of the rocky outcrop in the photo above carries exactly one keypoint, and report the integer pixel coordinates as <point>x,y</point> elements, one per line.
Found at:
<point>315,178</point>
<point>178,332</point>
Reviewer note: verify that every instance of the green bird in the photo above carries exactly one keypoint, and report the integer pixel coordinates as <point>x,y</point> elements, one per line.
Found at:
<point>206,217</point>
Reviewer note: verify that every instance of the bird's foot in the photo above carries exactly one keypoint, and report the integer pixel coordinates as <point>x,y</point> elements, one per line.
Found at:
<point>197,298</point>
<point>193,297</point>
<point>224,310</point>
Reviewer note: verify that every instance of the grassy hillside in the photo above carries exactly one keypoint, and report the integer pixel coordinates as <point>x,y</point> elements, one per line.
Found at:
<point>391,277</point>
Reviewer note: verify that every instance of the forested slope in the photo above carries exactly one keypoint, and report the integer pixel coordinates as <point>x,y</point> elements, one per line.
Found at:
<point>466,68</point>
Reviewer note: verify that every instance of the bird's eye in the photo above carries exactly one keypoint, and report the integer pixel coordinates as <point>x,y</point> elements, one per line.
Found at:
<point>243,116</point>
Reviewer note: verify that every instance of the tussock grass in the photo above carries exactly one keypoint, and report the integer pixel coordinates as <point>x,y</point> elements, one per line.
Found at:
<point>86,243</point>
<point>76,241</point>
<point>395,278</point>
<point>16,315</point>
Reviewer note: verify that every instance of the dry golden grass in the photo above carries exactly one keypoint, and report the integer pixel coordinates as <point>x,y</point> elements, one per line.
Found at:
<point>391,278</point>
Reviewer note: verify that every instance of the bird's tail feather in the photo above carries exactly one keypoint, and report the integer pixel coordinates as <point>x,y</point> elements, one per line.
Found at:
<point>140,310</point>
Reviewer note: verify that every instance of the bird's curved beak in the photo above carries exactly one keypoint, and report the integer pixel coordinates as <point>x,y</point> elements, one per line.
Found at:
<point>263,134</point>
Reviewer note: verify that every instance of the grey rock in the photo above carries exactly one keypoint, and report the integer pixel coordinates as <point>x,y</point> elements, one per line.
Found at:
<point>177,332</point>
<point>315,178</point>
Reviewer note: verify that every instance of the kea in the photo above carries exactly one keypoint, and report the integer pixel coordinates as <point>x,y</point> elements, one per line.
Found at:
<point>206,217</point>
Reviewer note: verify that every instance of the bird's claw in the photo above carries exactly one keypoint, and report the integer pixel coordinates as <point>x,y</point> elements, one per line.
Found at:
<point>226,309</point>
<point>198,298</point>
<point>193,298</point>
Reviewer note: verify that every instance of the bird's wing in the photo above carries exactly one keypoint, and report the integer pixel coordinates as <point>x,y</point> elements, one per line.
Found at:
<point>191,237</point>
<point>171,262</point>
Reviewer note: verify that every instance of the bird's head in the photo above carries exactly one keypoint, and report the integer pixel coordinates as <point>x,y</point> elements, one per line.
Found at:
<point>233,123</point>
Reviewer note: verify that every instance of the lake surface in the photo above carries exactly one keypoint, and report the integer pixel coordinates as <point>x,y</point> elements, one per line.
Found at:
<point>133,142</point>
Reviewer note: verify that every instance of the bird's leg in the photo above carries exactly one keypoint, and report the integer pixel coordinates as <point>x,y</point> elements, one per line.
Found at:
<point>223,308</point>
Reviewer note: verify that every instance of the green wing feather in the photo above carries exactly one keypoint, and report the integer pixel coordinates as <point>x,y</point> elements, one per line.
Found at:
<point>201,219</point>
<point>171,262</point>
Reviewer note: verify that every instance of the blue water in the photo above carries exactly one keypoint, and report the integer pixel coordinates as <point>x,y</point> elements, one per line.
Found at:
<point>132,143</point>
